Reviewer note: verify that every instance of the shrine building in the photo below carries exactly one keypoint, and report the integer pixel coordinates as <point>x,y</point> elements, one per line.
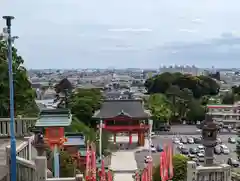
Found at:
<point>127,116</point>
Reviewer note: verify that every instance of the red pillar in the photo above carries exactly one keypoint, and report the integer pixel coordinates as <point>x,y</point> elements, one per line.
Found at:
<point>130,138</point>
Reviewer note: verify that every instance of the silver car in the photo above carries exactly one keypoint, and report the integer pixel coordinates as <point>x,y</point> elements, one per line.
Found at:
<point>190,140</point>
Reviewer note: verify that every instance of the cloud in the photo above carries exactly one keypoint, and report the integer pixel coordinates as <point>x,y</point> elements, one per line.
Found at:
<point>131,30</point>
<point>188,30</point>
<point>197,21</point>
<point>218,52</point>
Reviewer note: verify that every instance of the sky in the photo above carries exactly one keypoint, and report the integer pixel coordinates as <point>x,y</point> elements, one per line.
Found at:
<point>125,33</point>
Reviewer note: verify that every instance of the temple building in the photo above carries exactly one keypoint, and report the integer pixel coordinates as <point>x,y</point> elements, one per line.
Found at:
<point>128,116</point>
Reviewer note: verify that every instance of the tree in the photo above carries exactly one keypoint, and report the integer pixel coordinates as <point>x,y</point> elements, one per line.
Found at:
<point>196,111</point>
<point>84,103</point>
<point>179,169</point>
<point>199,85</point>
<point>24,95</point>
<point>160,108</point>
<point>67,165</point>
<point>228,98</point>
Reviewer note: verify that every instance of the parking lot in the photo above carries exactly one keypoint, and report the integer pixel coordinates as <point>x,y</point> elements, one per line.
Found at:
<point>164,139</point>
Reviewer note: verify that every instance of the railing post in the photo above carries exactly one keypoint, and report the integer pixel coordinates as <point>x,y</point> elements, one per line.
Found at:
<point>41,168</point>
<point>19,127</point>
<point>79,177</point>
<point>8,162</point>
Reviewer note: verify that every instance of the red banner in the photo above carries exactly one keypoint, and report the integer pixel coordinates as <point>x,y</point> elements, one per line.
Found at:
<point>170,161</point>
<point>103,174</point>
<point>93,156</point>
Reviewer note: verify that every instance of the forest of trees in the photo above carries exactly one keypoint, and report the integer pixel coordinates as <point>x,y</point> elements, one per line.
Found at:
<point>176,97</point>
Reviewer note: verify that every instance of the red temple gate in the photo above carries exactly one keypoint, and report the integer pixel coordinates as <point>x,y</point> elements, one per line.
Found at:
<point>120,116</point>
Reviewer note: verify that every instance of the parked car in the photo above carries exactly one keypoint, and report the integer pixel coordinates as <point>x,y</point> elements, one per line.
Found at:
<point>224,149</point>
<point>184,140</point>
<point>153,149</point>
<point>184,151</point>
<point>176,140</point>
<point>219,141</point>
<point>180,146</point>
<point>197,140</point>
<point>233,162</point>
<point>217,150</point>
<point>231,140</point>
<point>200,147</point>
<point>200,157</point>
<point>190,140</point>
<point>193,150</point>
<point>159,148</point>
<point>191,156</point>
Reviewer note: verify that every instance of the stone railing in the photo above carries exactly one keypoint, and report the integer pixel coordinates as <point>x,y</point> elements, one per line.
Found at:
<point>22,126</point>
<point>235,176</point>
<point>37,171</point>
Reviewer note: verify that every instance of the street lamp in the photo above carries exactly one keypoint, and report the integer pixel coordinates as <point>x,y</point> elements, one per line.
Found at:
<point>12,122</point>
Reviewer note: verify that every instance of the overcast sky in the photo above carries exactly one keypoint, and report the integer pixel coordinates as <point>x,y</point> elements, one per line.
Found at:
<point>125,33</point>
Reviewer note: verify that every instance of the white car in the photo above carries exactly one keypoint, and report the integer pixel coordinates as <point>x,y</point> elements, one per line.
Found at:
<point>190,140</point>
<point>200,147</point>
<point>224,149</point>
<point>176,140</point>
<point>200,154</point>
<point>180,146</point>
<point>153,149</point>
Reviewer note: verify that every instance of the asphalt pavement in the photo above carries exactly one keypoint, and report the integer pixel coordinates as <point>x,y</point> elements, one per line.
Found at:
<point>164,139</point>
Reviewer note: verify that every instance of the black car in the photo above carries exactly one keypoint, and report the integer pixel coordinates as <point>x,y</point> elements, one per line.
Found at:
<point>164,128</point>
<point>233,162</point>
<point>197,140</point>
<point>193,150</point>
<point>217,150</point>
<point>184,151</point>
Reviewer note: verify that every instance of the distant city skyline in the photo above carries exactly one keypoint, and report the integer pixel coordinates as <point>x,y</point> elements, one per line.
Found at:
<point>121,34</point>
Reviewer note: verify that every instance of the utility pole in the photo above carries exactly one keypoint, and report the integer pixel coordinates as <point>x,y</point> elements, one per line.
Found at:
<point>11,90</point>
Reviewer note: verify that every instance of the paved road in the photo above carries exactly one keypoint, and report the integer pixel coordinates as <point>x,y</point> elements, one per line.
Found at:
<point>123,162</point>
<point>187,129</point>
<point>168,138</point>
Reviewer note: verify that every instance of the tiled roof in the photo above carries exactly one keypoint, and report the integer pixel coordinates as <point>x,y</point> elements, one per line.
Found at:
<point>74,141</point>
<point>113,108</point>
<point>54,117</point>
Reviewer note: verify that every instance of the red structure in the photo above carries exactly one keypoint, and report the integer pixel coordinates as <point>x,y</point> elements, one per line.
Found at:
<point>54,136</point>
<point>121,116</point>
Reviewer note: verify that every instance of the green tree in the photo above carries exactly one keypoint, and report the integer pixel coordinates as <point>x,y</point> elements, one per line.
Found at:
<point>179,169</point>
<point>199,85</point>
<point>67,165</point>
<point>196,111</point>
<point>228,98</point>
<point>24,95</point>
<point>160,108</point>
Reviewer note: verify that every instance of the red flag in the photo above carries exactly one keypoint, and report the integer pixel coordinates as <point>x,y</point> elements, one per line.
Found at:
<point>103,174</point>
<point>137,177</point>
<point>93,165</point>
<point>110,176</point>
<point>146,175</point>
<point>166,161</point>
<point>149,170</point>
<point>162,168</point>
<point>88,161</point>
<point>170,161</point>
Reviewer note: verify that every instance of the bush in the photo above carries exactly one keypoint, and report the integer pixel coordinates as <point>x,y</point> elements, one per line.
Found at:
<point>179,169</point>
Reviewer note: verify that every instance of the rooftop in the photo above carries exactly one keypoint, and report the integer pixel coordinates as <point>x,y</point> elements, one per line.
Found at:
<point>114,108</point>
